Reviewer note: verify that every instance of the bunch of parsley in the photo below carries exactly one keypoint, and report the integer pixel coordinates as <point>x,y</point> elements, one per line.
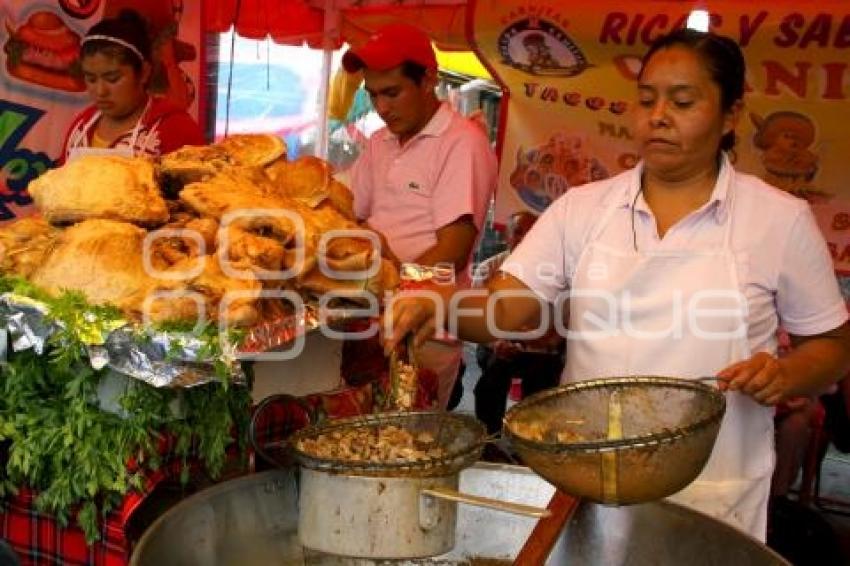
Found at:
<point>80,459</point>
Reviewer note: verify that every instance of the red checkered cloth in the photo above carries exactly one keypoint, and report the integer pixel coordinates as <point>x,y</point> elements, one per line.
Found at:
<point>39,540</point>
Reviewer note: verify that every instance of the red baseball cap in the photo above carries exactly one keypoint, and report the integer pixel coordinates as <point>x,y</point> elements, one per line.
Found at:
<point>389,47</point>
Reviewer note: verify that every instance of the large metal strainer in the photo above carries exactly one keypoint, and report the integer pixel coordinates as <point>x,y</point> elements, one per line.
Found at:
<point>618,441</point>
<point>457,439</point>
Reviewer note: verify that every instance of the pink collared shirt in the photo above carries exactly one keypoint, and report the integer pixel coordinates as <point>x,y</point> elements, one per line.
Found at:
<point>408,192</point>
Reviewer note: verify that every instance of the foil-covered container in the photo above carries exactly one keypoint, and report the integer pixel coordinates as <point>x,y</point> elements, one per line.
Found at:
<point>161,358</point>
<point>164,359</point>
<point>158,358</point>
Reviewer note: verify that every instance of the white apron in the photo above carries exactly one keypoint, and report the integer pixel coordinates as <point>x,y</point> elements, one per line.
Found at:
<point>735,484</point>
<point>77,148</point>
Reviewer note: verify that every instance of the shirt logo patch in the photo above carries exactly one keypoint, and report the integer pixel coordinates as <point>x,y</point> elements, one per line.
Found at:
<point>414,186</point>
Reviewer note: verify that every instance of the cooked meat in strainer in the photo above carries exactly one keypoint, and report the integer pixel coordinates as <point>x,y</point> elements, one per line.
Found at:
<point>552,431</point>
<point>383,444</point>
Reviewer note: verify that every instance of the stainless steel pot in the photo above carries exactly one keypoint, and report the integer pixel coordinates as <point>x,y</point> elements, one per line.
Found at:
<point>390,510</point>
<point>375,517</point>
<point>253,521</point>
<point>390,518</point>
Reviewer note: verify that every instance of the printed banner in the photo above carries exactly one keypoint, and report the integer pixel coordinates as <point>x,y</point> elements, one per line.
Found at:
<point>570,72</point>
<point>42,88</point>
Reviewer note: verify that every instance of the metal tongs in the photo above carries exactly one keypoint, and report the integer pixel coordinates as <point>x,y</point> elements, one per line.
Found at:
<point>404,354</point>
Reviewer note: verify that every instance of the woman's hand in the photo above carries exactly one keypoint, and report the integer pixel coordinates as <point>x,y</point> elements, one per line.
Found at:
<point>762,377</point>
<point>425,312</point>
<point>411,313</point>
<point>813,365</point>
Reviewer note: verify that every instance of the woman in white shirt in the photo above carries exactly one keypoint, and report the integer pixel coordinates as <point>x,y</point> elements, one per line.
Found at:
<point>681,266</point>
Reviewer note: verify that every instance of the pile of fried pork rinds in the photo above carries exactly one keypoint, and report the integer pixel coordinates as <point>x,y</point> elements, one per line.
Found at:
<point>206,230</point>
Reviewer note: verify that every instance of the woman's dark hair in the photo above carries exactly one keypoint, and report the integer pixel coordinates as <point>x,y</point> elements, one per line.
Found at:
<point>413,71</point>
<point>130,27</point>
<point>722,58</point>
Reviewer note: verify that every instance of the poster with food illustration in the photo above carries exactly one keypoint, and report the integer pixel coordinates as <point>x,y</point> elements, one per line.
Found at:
<point>42,86</point>
<point>570,76</point>
<point>543,173</point>
<point>44,51</point>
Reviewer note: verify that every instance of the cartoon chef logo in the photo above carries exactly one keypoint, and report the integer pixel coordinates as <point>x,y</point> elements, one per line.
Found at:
<point>539,47</point>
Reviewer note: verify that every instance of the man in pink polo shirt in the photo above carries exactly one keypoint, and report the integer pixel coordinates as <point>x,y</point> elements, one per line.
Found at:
<point>425,180</point>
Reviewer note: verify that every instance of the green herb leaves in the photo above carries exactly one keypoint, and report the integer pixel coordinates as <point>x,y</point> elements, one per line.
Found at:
<point>81,459</point>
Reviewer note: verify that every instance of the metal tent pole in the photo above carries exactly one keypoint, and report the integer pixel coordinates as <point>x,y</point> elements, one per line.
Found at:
<point>331,32</point>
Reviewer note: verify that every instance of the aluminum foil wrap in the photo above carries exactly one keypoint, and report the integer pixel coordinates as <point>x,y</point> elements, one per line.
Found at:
<point>275,334</point>
<point>23,324</point>
<point>161,359</point>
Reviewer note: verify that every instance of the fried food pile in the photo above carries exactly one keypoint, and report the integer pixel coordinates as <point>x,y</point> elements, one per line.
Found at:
<point>382,444</point>
<point>102,187</point>
<point>204,232</point>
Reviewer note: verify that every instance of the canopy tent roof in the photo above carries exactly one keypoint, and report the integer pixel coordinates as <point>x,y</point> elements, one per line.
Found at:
<point>464,62</point>
<point>330,23</point>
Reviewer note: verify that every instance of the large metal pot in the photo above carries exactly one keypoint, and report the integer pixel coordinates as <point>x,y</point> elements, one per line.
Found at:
<point>375,517</point>
<point>387,509</point>
<point>386,517</point>
<point>253,521</point>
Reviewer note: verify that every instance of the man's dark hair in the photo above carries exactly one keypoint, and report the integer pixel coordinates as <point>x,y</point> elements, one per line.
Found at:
<point>721,56</point>
<point>413,71</point>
